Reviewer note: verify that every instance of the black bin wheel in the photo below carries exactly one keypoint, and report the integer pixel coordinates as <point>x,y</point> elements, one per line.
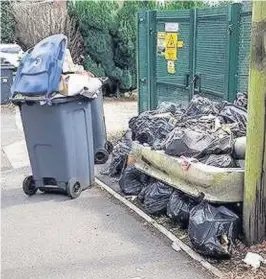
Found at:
<point>101,156</point>
<point>29,186</point>
<point>109,147</point>
<point>74,189</point>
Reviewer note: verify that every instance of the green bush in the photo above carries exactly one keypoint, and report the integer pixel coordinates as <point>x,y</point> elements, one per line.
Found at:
<point>109,32</point>
<point>7,23</point>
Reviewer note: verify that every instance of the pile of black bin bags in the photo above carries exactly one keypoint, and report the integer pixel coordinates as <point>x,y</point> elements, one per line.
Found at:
<point>206,131</point>
<point>211,229</point>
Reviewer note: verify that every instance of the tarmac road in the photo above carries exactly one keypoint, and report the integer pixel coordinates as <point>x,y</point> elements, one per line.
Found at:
<point>94,236</point>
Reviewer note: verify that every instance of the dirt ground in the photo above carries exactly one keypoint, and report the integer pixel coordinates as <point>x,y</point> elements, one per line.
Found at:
<point>117,114</point>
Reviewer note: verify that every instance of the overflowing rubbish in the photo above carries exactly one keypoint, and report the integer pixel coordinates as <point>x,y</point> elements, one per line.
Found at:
<point>69,66</point>
<point>254,260</point>
<point>131,182</point>
<point>212,230</point>
<point>119,156</point>
<point>179,207</point>
<point>208,131</point>
<point>69,108</point>
<point>155,197</point>
<point>47,72</point>
<point>80,84</point>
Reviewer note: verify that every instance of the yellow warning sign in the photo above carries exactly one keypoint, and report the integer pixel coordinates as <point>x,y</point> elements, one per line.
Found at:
<point>180,44</point>
<point>171,46</point>
<point>171,39</point>
<point>171,67</point>
<point>170,53</point>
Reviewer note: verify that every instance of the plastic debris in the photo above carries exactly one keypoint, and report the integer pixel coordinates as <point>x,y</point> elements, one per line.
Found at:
<point>80,84</point>
<point>254,260</point>
<point>155,197</point>
<point>212,230</point>
<point>176,246</point>
<point>179,207</point>
<point>69,66</point>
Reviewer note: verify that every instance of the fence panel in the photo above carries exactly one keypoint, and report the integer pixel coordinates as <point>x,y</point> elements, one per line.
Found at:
<point>244,47</point>
<point>211,48</point>
<point>211,54</point>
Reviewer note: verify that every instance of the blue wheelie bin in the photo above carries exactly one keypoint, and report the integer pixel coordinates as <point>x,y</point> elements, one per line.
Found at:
<point>58,131</point>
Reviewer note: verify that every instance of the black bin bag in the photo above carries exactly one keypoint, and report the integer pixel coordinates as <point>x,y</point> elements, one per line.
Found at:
<point>155,197</point>
<point>179,207</point>
<point>212,230</point>
<point>220,161</point>
<point>189,143</point>
<point>119,155</point>
<point>234,114</point>
<point>131,182</point>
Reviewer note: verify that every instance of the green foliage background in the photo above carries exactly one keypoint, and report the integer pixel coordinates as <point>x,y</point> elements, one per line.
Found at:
<point>7,23</point>
<point>109,32</point>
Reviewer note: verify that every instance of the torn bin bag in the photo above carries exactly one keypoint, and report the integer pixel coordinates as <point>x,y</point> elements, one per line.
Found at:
<point>212,229</point>
<point>155,197</point>
<point>131,182</point>
<point>189,143</point>
<point>202,106</point>
<point>168,107</point>
<point>233,114</point>
<point>119,155</point>
<point>179,207</point>
<point>220,161</point>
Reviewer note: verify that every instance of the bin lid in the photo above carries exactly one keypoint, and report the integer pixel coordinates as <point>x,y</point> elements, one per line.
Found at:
<point>10,48</point>
<point>41,67</point>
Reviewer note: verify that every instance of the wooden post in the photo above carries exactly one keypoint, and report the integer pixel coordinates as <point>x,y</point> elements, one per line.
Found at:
<point>255,176</point>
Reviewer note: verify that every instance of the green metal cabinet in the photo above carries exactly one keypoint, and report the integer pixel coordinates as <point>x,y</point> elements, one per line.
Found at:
<point>212,61</point>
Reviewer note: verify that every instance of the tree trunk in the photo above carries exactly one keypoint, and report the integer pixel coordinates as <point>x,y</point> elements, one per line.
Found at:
<point>255,177</point>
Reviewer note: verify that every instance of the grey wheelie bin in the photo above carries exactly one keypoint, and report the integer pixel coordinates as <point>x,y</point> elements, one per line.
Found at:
<point>7,72</point>
<point>58,130</point>
<point>102,147</point>
<point>60,145</point>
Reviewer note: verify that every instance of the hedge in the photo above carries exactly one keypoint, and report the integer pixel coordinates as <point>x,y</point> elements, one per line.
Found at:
<point>7,23</point>
<point>109,33</point>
